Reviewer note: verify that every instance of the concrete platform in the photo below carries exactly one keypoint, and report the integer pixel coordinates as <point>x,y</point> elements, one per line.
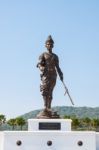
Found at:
<point>60,137</point>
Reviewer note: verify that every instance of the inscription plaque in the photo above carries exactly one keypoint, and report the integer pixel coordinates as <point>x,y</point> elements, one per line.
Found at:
<point>49,126</point>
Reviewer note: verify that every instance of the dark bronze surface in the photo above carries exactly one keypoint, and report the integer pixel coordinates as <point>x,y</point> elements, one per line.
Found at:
<point>49,67</point>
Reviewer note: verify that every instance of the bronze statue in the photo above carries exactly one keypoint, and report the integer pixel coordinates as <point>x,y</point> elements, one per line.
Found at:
<point>49,67</point>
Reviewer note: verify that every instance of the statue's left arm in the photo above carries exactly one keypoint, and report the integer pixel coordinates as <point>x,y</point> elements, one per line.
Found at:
<point>59,69</point>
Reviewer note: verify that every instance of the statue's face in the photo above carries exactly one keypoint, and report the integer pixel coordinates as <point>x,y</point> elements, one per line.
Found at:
<point>49,46</point>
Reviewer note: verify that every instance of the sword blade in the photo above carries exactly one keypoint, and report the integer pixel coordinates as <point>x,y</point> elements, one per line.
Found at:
<point>66,91</point>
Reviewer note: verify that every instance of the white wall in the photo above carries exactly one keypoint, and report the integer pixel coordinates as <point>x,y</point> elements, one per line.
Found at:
<point>1,140</point>
<point>35,140</point>
<point>97,140</point>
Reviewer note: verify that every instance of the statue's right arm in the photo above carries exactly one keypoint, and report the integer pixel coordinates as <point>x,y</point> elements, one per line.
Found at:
<point>40,64</point>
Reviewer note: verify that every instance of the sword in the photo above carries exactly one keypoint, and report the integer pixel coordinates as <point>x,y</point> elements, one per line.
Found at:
<point>66,91</point>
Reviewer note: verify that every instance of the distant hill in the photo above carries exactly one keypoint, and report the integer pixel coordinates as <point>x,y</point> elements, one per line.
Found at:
<point>80,112</point>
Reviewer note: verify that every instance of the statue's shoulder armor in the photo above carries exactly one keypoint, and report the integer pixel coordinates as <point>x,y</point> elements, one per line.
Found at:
<point>45,53</point>
<point>47,56</point>
<point>55,56</point>
<point>41,56</point>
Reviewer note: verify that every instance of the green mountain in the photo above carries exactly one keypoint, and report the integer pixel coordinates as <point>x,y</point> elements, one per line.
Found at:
<point>80,112</point>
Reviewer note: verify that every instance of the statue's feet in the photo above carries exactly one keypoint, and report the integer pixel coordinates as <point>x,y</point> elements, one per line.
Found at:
<point>47,113</point>
<point>47,109</point>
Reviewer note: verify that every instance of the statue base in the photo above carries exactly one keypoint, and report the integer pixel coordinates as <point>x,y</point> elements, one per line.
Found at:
<point>49,134</point>
<point>48,114</point>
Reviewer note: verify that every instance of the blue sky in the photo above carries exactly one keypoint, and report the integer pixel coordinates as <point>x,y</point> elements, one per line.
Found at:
<point>24,27</point>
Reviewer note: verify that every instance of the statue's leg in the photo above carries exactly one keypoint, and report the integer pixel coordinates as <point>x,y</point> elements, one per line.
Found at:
<point>49,102</point>
<point>43,90</point>
<point>51,87</point>
<point>45,102</point>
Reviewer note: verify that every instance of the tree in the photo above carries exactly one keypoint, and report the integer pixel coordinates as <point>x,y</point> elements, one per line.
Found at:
<point>75,121</point>
<point>95,124</point>
<point>66,117</point>
<point>2,119</point>
<point>87,122</point>
<point>20,122</point>
<point>12,122</point>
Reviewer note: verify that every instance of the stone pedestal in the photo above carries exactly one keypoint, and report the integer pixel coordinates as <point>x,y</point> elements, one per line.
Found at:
<point>49,124</point>
<point>49,134</point>
<point>48,140</point>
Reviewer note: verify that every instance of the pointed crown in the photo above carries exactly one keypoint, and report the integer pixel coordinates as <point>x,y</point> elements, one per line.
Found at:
<point>49,39</point>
